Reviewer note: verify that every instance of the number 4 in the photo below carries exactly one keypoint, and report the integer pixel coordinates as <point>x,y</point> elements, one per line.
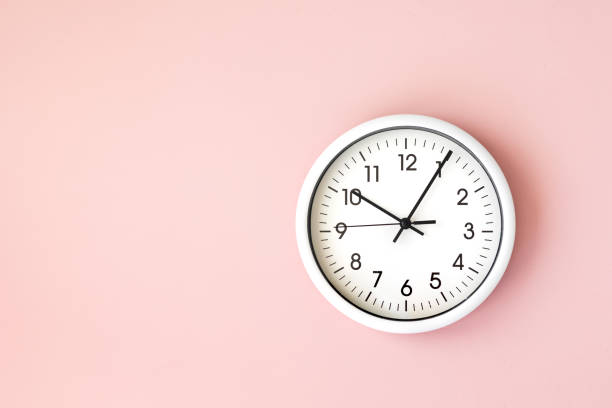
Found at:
<point>459,262</point>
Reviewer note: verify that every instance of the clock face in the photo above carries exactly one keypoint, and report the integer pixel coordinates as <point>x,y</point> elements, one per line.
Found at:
<point>405,223</point>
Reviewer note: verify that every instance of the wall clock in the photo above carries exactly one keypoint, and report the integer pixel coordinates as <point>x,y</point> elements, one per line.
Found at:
<point>405,223</point>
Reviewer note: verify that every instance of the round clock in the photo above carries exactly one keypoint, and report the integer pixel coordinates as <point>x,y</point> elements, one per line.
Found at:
<point>405,223</point>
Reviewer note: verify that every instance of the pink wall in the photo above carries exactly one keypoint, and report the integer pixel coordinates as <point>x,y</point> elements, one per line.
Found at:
<point>151,154</point>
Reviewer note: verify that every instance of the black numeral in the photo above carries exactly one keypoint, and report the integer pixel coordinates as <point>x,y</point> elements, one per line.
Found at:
<point>341,229</point>
<point>355,261</point>
<point>470,230</point>
<point>378,277</point>
<point>354,196</point>
<point>406,289</point>
<point>434,278</point>
<point>459,262</point>
<point>407,162</point>
<point>368,172</point>
<point>462,199</point>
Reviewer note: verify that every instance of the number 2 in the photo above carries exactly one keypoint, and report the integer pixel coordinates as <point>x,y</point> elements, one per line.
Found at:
<point>462,199</point>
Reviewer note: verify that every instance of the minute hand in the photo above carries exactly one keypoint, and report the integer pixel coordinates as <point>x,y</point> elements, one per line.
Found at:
<point>433,178</point>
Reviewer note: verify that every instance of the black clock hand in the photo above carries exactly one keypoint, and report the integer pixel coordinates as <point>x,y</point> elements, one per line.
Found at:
<point>416,205</point>
<point>373,204</point>
<point>392,223</point>
<point>423,222</point>
<point>378,207</point>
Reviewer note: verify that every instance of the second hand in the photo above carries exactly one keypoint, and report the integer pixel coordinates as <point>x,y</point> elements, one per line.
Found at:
<point>392,223</point>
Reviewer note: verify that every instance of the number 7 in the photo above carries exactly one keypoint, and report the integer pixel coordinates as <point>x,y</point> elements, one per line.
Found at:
<point>378,278</point>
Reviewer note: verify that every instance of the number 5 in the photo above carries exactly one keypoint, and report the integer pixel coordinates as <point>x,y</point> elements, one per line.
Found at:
<point>433,279</point>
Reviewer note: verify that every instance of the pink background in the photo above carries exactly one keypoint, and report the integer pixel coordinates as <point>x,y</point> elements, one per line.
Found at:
<point>151,155</point>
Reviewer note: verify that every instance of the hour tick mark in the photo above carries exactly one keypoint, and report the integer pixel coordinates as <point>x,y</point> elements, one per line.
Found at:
<point>442,293</point>
<point>332,189</point>
<point>472,269</point>
<point>362,156</point>
<point>367,297</point>
<point>486,231</point>
<point>339,269</point>
<point>479,188</point>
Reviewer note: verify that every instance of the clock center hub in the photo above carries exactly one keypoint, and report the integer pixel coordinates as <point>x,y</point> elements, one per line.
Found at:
<point>405,223</point>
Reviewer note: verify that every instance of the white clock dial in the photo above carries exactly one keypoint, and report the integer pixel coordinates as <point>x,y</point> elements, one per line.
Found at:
<point>405,223</point>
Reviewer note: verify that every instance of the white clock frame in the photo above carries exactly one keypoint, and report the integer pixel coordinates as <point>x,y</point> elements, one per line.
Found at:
<point>507,234</point>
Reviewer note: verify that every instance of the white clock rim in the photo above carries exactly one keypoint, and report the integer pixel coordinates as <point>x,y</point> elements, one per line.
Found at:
<point>437,321</point>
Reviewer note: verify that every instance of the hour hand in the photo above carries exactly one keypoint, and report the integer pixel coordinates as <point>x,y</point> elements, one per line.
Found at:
<point>373,204</point>
<point>378,207</point>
